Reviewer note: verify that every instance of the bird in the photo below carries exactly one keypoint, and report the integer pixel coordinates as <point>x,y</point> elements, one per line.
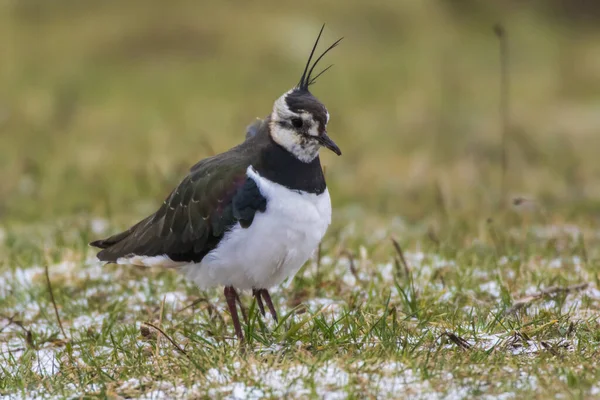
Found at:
<point>248,218</point>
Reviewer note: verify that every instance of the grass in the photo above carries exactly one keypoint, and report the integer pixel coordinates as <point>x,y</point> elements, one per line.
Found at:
<point>432,282</point>
<point>441,326</point>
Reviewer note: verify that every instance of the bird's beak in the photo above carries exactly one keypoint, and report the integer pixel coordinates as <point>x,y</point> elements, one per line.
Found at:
<point>326,141</point>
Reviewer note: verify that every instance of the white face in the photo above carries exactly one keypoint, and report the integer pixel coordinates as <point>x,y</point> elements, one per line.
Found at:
<point>294,131</point>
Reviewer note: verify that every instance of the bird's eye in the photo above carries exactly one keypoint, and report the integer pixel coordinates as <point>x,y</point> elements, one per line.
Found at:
<point>297,122</point>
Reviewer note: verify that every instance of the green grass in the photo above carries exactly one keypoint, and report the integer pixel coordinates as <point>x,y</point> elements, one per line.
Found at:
<point>382,330</point>
<point>104,107</point>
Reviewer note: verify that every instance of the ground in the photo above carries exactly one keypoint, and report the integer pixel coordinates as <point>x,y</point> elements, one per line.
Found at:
<point>447,322</point>
<point>444,275</point>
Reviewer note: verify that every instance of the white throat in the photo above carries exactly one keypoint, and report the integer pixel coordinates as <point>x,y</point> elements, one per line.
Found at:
<point>303,148</point>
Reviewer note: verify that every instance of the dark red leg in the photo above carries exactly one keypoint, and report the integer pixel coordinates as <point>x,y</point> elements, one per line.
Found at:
<point>242,309</point>
<point>261,307</point>
<point>267,298</point>
<point>231,296</point>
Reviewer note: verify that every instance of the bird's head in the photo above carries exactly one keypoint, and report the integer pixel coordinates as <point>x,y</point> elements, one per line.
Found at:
<point>299,120</point>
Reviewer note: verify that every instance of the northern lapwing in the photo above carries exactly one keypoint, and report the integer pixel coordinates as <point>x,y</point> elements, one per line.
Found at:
<point>250,217</point>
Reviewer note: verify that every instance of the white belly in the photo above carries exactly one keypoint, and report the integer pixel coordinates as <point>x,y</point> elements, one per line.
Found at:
<point>274,247</point>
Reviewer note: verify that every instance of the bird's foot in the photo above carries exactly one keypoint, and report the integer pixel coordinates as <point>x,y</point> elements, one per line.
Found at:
<point>261,307</point>
<point>232,297</point>
<point>265,294</point>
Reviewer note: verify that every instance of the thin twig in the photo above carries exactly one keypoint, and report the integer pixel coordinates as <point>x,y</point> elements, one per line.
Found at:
<point>552,290</point>
<point>54,302</point>
<point>177,347</point>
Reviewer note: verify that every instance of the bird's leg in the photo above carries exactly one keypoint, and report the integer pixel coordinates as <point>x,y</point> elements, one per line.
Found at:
<point>231,296</point>
<point>261,307</point>
<point>242,309</point>
<point>267,298</point>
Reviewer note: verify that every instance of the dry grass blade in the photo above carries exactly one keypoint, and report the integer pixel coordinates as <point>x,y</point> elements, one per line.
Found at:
<point>353,270</point>
<point>457,340</point>
<point>177,347</point>
<point>552,290</point>
<point>401,255</point>
<point>548,347</point>
<point>500,33</point>
<point>28,334</point>
<point>319,256</point>
<point>9,323</point>
<point>211,308</point>
<point>192,304</point>
<point>53,301</point>
<point>160,318</point>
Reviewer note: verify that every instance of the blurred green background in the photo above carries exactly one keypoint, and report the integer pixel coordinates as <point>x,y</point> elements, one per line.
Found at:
<point>105,104</point>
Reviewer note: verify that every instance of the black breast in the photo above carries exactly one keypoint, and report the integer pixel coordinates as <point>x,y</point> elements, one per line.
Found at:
<point>280,166</point>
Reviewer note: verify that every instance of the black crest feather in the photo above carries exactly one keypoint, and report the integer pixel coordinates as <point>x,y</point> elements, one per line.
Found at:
<point>306,80</point>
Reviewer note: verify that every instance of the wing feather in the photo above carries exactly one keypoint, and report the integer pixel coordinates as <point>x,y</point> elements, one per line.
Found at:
<point>193,218</point>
